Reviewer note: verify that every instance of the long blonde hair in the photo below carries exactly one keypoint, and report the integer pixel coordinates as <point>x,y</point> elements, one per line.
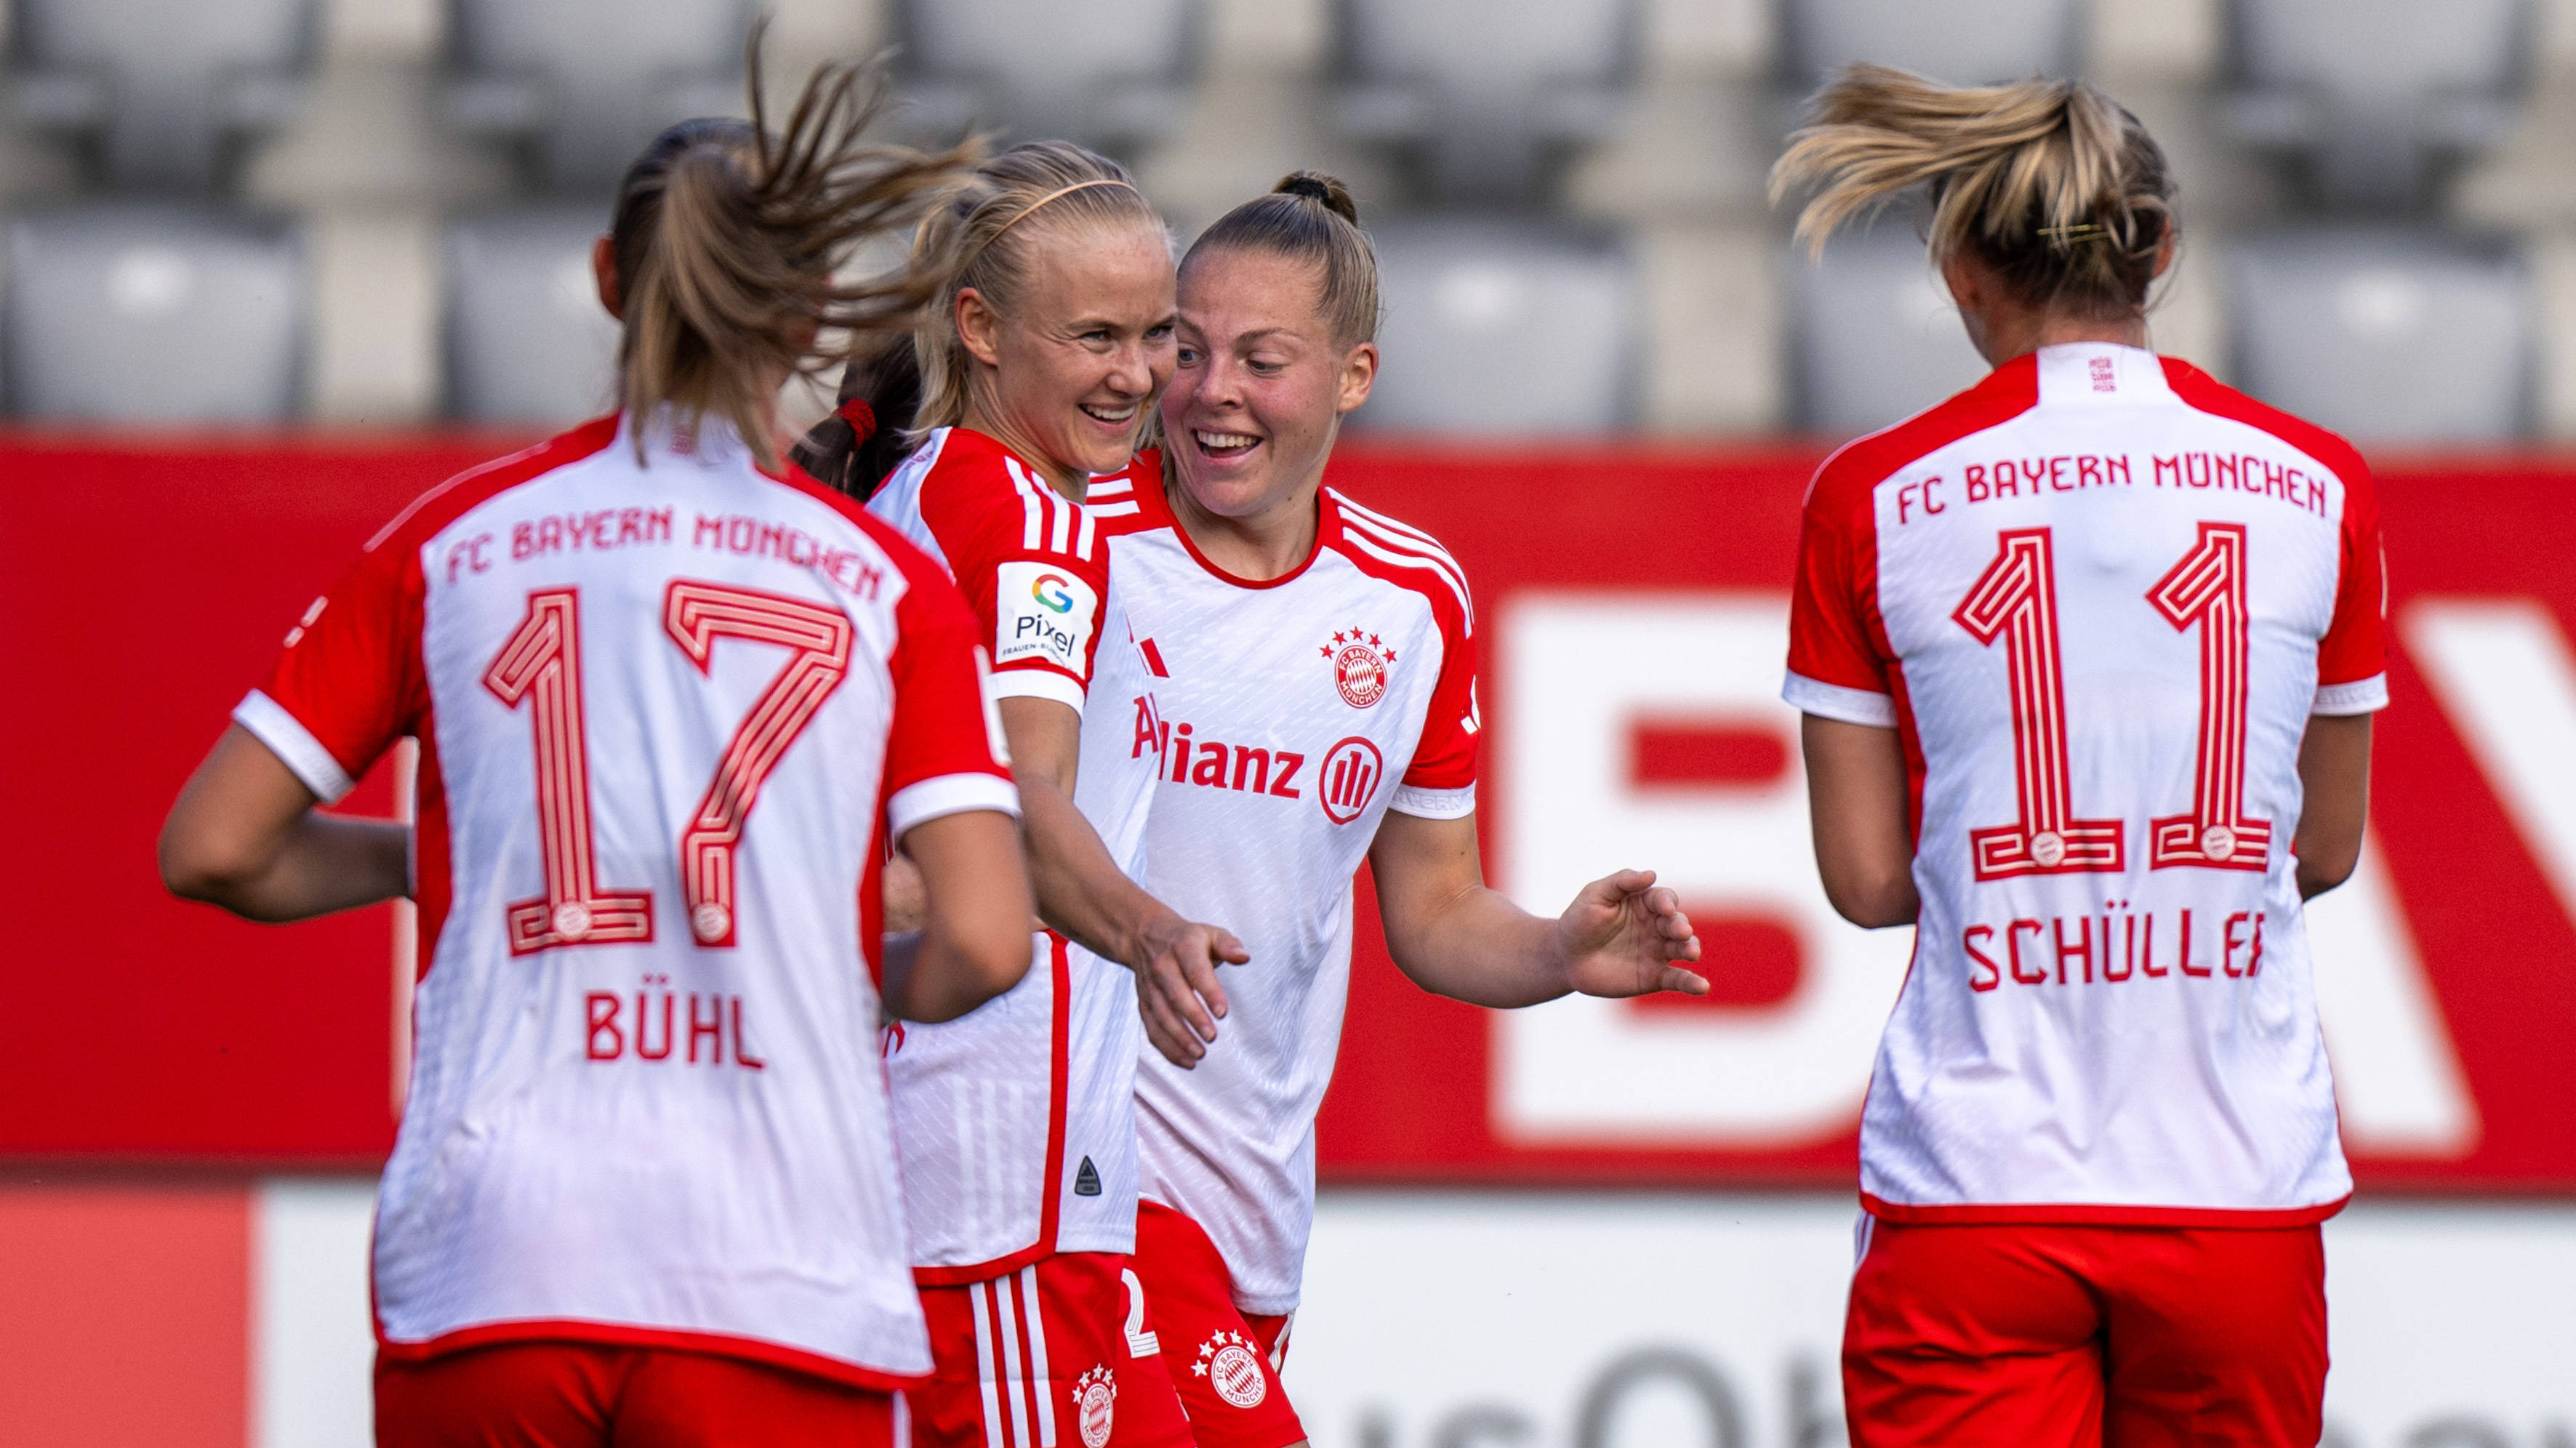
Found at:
<point>2051,183</point>
<point>975,239</point>
<point>728,237</point>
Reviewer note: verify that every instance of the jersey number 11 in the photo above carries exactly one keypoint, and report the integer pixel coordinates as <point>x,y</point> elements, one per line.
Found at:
<point>2015,600</point>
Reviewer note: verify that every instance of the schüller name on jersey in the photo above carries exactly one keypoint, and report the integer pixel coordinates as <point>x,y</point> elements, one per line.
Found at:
<point>2119,942</point>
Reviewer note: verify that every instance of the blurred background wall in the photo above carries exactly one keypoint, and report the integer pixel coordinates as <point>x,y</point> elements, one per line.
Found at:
<point>367,211</point>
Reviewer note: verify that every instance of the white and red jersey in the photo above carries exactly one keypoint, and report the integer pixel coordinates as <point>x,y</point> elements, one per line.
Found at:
<point>668,710</point>
<point>2098,595</point>
<point>1295,712</point>
<point>1017,1121</point>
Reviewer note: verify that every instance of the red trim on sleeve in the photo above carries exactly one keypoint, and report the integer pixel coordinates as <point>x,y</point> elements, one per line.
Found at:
<point>986,519</point>
<point>1445,756</point>
<point>1835,633</point>
<point>939,723</point>
<point>351,671</point>
<point>2355,646</point>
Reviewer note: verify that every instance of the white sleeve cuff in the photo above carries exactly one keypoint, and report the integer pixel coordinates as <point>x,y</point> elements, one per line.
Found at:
<point>1833,701</point>
<point>2361,696</point>
<point>1037,684</point>
<point>949,794</point>
<point>1434,804</point>
<point>294,745</point>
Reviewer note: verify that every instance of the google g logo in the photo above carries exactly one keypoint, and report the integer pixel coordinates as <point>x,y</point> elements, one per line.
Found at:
<point>1049,590</point>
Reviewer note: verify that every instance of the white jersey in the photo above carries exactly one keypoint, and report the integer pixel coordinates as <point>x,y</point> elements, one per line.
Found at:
<point>1018,1120</point>
<point>2099,595</point>
<point>1294,714</point>
<point>667,716</point>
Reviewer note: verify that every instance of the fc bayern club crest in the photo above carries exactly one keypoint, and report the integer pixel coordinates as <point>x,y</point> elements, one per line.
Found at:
<point>1228,1363</point>
<point>1360,660</point>
<point>1095,1405</point>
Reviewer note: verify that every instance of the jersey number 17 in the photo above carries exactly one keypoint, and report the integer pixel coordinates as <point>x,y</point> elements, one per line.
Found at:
<point>540,666</point>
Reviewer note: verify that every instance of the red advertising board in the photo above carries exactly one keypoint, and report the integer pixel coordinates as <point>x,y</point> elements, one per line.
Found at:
<point>1629,616</point>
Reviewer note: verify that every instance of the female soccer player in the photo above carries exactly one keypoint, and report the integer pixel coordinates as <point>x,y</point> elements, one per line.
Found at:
<point>2087,656</point>
<point>1038,367</point>
<point>1315,668</point>
<point>669,703</point>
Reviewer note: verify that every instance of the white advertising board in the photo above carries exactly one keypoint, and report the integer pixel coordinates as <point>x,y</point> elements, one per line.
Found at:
<point>1458,1320</point>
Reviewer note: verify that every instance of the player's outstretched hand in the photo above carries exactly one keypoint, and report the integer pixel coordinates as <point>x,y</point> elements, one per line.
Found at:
<point>1623,933</point>
<point>1176,987</point>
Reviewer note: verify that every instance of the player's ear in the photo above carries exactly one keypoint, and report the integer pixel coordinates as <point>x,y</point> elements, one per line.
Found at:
<point>979,327</point>
<point>1359,375</point>
<point>603,271</point>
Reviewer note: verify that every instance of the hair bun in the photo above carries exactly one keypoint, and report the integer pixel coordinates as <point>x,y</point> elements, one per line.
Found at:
<point>1316,186</point>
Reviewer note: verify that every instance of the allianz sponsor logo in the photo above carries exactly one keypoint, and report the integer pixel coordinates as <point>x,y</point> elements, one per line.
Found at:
<point>1345,784</point>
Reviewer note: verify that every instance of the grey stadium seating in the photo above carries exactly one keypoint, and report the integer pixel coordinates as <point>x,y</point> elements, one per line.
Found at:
<point>591,81</point>
<point>152,315</point>
<point>1877,336</point>
<point>1485,90</point>
<point>526,338</point>
<point>2372,91</point>
<point>1501,329</point>
<point>1105,72</point>
<point>161,83</point>
<point>1964,42</point>
<point>2386,335</point>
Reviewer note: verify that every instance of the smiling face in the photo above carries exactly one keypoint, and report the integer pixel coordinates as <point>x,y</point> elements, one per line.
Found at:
<point>1067,373</point>
<point>1262,384</point>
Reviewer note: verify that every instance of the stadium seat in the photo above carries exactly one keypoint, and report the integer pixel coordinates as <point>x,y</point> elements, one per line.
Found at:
<point>1877,338</point>
<point>2372,92</point>
<point>1106,73</point>
<point>2386,335</point>
<point>1484,90</point>
<point>1499,329</point>
<point>161,83</point>
<point>152,315</point>
<point>1964,42</point>
<point>591,81</point>
<point>527,341</point>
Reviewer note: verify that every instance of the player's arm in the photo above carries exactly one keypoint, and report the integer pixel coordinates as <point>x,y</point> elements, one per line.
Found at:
<point>1856,799</point>
<point>974,942</point>
<point>2334,772</point>
<point>1082,893</point>
<point>245,835</point>
<point>1453,936</point>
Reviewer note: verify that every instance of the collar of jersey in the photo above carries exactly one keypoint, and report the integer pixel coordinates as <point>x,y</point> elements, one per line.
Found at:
<point>1327,525</point>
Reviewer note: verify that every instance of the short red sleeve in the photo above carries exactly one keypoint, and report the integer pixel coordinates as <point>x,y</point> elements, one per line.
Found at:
<point>1030,563</point>
<point>944,752</point>
<point>349,682</point>
<point>1445,759</point>
<point>1836,669</point>
<point>2352,658</point>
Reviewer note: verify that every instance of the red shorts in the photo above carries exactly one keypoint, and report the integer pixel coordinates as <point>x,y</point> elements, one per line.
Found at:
<point>1220,1365</point>
<point>2134,1337</point>
<point>588,1395</point>
<point>1035,1359</point>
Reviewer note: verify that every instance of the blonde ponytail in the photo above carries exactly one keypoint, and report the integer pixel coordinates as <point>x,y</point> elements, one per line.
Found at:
<point>728,239</point>
<point>2051,183</point>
